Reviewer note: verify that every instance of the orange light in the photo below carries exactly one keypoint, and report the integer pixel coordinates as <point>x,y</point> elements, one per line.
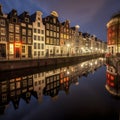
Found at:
<point>17,44</point>
<point>112,84</point>
<point>112,77</point>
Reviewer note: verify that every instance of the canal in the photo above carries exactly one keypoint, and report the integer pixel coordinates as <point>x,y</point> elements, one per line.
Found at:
<point>75,92</point>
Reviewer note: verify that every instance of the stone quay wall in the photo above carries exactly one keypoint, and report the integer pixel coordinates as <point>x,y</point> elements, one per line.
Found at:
<point>6,65</point>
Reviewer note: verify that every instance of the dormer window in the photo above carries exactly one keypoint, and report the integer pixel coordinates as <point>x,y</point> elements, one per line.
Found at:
<point>14,20</point>
<point>39,18</point>
<point>26,19</point>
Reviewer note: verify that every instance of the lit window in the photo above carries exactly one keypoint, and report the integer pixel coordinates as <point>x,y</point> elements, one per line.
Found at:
<point>11,37</point>
<point>17,38</point>
<point>11,28</point>
<point>29,32</point>
<point>17,29</point>
<point>24,31</point>
<point>23,49</point>
<point>29,40</point>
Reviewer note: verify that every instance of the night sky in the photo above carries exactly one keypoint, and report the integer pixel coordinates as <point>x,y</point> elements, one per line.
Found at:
<point>91,15</point>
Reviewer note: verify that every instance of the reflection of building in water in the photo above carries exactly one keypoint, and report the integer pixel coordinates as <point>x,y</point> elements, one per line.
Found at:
<point>113,79</point>
<point>65,79</point>
<point>52,82</point>
<point>44,83</point>
<point>14,89</point>
<point>39,84</point>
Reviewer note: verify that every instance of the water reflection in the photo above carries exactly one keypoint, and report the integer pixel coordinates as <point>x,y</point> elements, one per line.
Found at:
<point>44,83</point>
<point>113,77</point>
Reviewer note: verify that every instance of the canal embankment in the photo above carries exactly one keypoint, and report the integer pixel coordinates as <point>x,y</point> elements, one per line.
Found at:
<point>7,65</point>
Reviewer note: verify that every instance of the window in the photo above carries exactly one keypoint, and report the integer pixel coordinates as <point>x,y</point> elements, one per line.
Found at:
<point>42,38</point>
<point>47,40</point>
<point>23,39</point>
<point>14,20</point>
<point>4,88</point>
<point>57,28</point>
<point>38,53</point>
<point>42,46</point>
<point>17,38</point>
<point>23,31</point>
<point>30,32</point>
<point>35,47</point>
<point>42,31</point>
<point>23,49</point>
<point>38,30</point>
<point>54,20</point>
<point>29,40</point>
<point>11,48</point>
<point>35,37</point>
<point>3,32</point>
<point>38,45</point>
<point>11,37</point>
<point>2,22</point>
<point>11,28</point>
<point>47,26</point>
<point>39,38</point>
<point>42,53</point>
<point>38,24</point>
<point>34,30</point>
<point>47,33</point>
<point>17,28</point>
<point>3,39</point>
<point>39,18</point>
<point>35,53</point>
<point>26,19</point>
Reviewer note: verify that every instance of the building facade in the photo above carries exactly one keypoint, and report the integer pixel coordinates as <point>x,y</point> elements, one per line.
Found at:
<point>52,33</point>
<point>113,34</point>
<point>38,35</point>
<point>3,34</point>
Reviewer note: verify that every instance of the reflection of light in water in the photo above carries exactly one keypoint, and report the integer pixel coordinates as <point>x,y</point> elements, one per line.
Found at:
<point>68,72</point>
<point>77,83</point>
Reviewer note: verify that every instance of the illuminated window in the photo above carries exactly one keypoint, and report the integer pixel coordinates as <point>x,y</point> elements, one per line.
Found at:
<point>17,28</point>
<point>30,32</point>
<point>23,39</point>
<point>29,40</point>
<point>2,30</point>
<point>11,28</point>
<point>47,40</point>
<point>47,26</point>
<point>11,37</point>
<point>17,84</point>
<point>23,49</point>
<point>11,48</point>
<point>12,86</point>
<point>47,33</point>
<point>4,88</point>
<point>23,31</point>
<point>17,38</point>
<point>3,39</point>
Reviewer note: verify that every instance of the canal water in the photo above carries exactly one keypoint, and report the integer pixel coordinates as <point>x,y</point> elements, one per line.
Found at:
<point>72,92</point>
